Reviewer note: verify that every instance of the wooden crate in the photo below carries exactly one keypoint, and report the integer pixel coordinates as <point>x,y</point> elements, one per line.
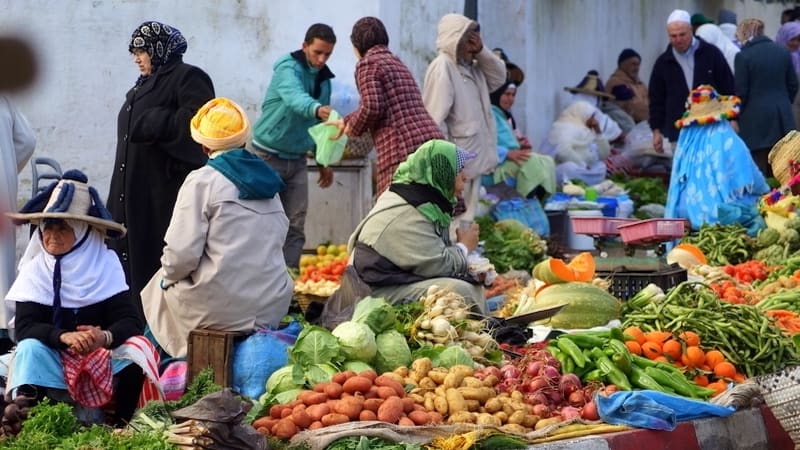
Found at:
<point>212,348</point>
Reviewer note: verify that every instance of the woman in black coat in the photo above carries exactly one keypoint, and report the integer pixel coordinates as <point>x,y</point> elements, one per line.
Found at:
<point>767,84</point>
<point>154,149</point>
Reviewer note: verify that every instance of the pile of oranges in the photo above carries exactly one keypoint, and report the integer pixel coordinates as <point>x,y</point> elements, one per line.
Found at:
<point>326,265</point>
<point>706,368</point>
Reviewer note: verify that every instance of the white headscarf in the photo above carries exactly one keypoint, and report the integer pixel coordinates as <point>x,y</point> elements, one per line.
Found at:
<point>572,138</point>
<point>714,36</point>
<point>90,272</point>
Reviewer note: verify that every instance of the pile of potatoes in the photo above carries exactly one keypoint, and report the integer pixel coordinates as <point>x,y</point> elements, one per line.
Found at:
<point>347,397</point>
<point>460,396</point>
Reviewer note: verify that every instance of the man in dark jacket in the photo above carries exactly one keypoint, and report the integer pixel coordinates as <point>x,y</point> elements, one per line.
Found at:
<point>688,62</point>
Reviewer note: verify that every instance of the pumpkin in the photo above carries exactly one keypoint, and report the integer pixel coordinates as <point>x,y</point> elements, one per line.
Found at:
<point>686,256</point>
<point>555,270</point>
<point>586,305</point>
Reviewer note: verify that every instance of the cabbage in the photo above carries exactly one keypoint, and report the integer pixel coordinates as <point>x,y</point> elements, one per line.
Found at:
<point>281,381</point>
<point>393,352</point>
<point>376,313</point>
<point>356,340</point>
<point>314,345</point>
<point>453,356</point>
<point>356,366</point>
<point>319,373</point>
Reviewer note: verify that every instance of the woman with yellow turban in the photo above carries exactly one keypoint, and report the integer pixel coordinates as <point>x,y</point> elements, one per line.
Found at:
<point>222,266</point>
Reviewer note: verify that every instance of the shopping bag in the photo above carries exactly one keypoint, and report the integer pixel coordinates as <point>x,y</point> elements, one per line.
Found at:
<point>258,356</point>
<point>528,212</point>
<point>328,151</point>
<point>340,306</point>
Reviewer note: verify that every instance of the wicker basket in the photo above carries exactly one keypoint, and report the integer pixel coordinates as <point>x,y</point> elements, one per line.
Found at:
<point>781,391</point>
<point>304,300</point>
<point>784,156</point>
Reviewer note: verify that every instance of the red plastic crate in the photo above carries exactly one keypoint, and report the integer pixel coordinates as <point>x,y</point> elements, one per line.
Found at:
<point>598,226</point>
<point>653,230</point>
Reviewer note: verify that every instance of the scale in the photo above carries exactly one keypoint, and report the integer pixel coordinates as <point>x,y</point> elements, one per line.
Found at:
<point>618,241</point>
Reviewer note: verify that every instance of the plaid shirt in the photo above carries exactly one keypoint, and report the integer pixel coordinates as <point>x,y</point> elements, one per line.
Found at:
<point>391,108</point>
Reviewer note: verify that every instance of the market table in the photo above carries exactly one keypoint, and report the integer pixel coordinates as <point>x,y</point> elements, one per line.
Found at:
<point>749,429</point>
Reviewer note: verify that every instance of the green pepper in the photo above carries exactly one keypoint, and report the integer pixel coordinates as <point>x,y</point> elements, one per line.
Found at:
<point>677,382</point>
<point>616,333</point>
<point>568,366</point>
<point>644,363</point>
<point>612,374</point>
<point>583,340</point>
<point>572,350</point>
<point>593,375</point>
<point>641,379</point>
<point>622,363</point>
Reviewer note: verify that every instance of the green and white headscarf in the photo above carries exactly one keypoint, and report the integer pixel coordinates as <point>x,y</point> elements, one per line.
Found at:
<point>435,165</point>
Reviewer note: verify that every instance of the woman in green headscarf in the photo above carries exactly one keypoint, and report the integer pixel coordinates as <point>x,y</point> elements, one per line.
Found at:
<point>403,246</point>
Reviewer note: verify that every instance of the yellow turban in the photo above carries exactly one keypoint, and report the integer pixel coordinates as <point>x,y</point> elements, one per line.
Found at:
<point>220,124</point>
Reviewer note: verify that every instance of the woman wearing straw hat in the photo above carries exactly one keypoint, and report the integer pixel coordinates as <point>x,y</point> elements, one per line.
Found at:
<point>712,167</point>
<point>73,304</point>
<point>222,266</point>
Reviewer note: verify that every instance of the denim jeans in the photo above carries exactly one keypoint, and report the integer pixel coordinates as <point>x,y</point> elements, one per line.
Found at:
<point>294,198</point>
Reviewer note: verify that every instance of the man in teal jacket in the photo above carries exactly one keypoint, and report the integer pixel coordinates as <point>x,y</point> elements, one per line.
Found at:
<point>297,98</point>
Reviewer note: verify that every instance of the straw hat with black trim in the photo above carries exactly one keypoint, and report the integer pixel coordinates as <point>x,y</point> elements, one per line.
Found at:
<point>784,158</point>
<point>70,198</point>
<point>592,85</point>
<point>705,106</point>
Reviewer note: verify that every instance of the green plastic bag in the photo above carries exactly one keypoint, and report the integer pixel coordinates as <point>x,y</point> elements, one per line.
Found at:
<point>328,151</point>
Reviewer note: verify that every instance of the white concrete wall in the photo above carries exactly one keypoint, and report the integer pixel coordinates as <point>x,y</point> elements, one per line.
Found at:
<point>86,68</point>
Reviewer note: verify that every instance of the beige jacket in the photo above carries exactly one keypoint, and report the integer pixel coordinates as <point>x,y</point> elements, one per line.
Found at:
<point>638,106</point>
<point>457,95</point>
<point>224,261</point>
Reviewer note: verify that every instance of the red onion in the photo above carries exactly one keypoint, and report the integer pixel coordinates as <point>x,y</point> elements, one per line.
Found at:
<point>538,383</point>
<point>569,383</point>
<point>555,397</point>
<point>540,410</point>
<point>551,373</point>
<point>533,368</point>
<point>576,399</point>
<point>509,371</point>
<point>536,398</point>
<point>569,412</point>
<point>589,411</point>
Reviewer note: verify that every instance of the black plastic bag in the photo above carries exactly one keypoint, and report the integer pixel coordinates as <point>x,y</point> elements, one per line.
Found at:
<point>340,306</point>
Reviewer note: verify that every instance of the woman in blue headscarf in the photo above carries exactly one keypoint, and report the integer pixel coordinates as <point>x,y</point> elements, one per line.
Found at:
<point>155,152</point>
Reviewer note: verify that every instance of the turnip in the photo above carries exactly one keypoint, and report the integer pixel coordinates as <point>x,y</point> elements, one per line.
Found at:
<point>441,327</point>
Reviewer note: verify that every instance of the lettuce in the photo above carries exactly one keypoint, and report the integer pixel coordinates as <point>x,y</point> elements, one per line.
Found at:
<point>314,345</point>
<point>376,313</point>
<point>393,352</point>
<point>356,341</point>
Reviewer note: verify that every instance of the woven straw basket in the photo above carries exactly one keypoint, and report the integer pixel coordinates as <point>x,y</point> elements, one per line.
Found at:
<point>781,391</point>
<point>783,154</point>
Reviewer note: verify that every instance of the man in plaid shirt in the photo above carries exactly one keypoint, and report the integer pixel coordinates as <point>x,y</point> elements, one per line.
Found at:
<point>391,105</point>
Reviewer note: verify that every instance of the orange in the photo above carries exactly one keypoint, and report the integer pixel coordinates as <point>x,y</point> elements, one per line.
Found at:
<point>636,333</point>
<point>658,336</point>
<point>725,370</point>
<point>718,386</point>
<point>672,349</point>
<point>634,347</point>
<point>739,377</point>
<point>714,357</point>
<point>695,356</point>
<point>661,358</point>
<point>690,337</point>
<point>700,380</point>
<point>651,350</point>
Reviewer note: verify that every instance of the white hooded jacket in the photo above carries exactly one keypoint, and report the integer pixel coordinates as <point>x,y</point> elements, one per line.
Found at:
<point>457,95</point>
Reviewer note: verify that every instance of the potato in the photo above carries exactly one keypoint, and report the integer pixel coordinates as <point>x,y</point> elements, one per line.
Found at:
<point>418,407</point>
<point>542,423</point>
<point>385,392</point>
<point>312,398</point>
<point>501,416</point>
<point>455,401</point>
<point>408,404</point>
<point>315,425</point>
<point>391,410</point>
<point>427,383</point>
<point>350,407</point>
<point>373,404</point>
<point>482,394</point>
<point>284,429</point>
<point>409,380</point>
<point>440,405</point>
<point>530,420</point>
<point>371,374</point>
<point>436,418</point>
<point>487,419</point>
<point>391,376</point>
<point>275,411</point>
<point>437,375</point>
<point>422,366</point>
<point>471,382</point>
<point>333,390</point>
<point>333,419</point>
<point>453,380</point>
<point>401,371</point>
<point>440,391</point>
<point>300,407</point>
<point>315,412</point>
<point>508,409</point>
<point>493,405</point>
<point>301,419</point>
<point>490,380</point>
<point>320,387</point>
<point>357,384</point>
<point>341,377</point>
<point>472,405</point>
<point>419,417</point>
<point>367,415</point>
<point>461,417</point>
<point>417,398</point>
<point>265,422</point>
<point>286,412</point>
<point>518,417</point>
<point>264,431</point>
<point>516,395</point>
<point>405,422</point>
<point>392,383</point>
<point>514,428</point>
<point>429,404</point>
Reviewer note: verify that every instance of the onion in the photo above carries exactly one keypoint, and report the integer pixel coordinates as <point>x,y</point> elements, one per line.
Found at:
<point>509,371</point>
<point>576,399</point>
<point>569,412</point>
<point>589,411</point>
<point>538,383</point>
<point>540,410</point>
<point>569,383</point>
<point>537,398</point>
<point>555,397</point>
<point>441,327</point>
<point>551,373</point>
<point>533,368</point>
<point>492,370</point>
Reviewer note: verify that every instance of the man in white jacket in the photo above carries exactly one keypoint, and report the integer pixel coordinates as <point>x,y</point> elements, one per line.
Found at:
<point>17,142</point>
<point>456,94</point>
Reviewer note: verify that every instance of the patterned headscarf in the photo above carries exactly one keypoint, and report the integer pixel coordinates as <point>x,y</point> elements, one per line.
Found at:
<point>162,42</point>
<point>748,29</point>
<point>367,33</point>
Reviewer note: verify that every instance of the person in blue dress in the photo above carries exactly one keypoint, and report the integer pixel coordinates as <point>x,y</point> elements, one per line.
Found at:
<point>713,172</point>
